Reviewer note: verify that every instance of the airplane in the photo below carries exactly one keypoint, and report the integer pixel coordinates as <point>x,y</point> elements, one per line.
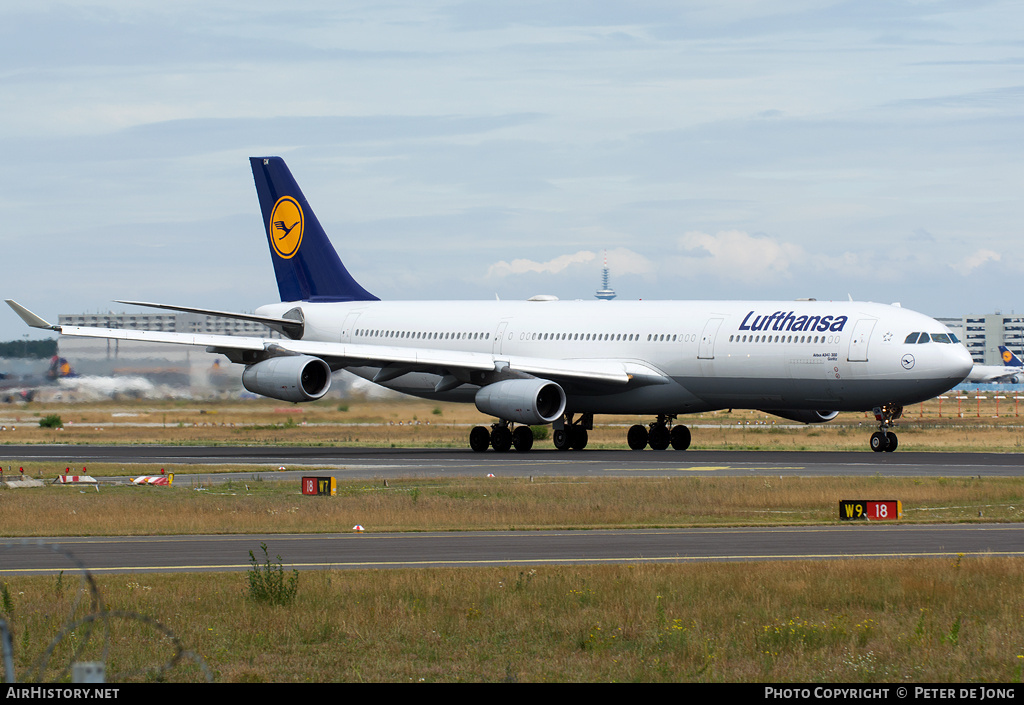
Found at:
<point>26,388</point>
<point>1011,371</point>
<point>544,361</point>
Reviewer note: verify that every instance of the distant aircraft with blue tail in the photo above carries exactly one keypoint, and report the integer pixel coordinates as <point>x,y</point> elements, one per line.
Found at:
<point>1010,372</point>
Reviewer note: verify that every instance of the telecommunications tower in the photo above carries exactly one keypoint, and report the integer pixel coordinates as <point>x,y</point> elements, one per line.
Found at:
<point>605,293</point>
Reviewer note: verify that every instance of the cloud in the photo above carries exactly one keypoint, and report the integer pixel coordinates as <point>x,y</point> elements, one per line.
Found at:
<point>734,254</point>
<point>621,262</point>
<point>979,257</point>
<point>525,266</point>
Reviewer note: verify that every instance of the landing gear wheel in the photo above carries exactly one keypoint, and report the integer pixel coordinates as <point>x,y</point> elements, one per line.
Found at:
<point>561,439</point>
<point>479,439</point>
<point>893,443</point>
<point>501,439</point>
<point>658,438</point>
<point>879,442</point>
<point>885,440</point>
<point>680,438</point>
<point>578,438</point>
<point>522,438</point>
<point>637,437</point>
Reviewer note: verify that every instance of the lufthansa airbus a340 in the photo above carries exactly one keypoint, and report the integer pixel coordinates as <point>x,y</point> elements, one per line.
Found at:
<point>563,362</point>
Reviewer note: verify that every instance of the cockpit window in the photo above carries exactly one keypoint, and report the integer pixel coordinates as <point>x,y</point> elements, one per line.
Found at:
<point>940,338</point>
<point>912,338</point>
<point>923,339</point>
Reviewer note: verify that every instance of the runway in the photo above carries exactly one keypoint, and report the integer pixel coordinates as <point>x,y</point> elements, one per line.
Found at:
<point>363,463</point>
<point>500,548</point>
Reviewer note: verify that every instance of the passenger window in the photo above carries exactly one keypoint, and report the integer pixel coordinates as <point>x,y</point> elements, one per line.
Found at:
<point>912,338</point>
<point>923,339</point>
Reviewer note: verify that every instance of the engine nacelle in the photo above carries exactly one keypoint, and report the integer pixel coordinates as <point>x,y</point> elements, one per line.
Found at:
<point>803,416</point>
<point>528,401</point>
<point>289,378</point>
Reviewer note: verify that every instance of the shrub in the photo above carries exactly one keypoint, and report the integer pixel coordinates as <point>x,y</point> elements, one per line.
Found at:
<point>267,583</point>
<point>51,421</point>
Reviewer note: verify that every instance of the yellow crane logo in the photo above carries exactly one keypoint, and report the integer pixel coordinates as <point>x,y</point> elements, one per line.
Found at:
<point>285,227</point>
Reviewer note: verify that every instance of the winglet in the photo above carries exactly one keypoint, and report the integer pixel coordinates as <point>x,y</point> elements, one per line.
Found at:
<point>30,318</point>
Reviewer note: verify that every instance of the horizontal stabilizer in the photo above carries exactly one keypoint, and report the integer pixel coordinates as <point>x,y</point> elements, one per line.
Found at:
<point>292,327</point>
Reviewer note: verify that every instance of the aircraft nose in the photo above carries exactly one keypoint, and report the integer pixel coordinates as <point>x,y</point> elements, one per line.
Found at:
<point>958,363</point>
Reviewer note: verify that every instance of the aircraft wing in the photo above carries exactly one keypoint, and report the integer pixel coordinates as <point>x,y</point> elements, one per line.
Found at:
<point>401,359</point>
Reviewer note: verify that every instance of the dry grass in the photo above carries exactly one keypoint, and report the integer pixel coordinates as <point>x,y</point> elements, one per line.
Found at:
<point>495,504</point>
<point>891,621</point>
<point>414,423</point>
<point>926,620</point>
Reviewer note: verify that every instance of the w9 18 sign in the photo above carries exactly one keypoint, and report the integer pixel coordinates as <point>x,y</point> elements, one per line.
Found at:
<point>870,509</point>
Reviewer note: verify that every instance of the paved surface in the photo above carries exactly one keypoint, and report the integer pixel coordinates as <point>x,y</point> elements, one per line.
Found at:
<point>527,548</point>
<point>397,462</point>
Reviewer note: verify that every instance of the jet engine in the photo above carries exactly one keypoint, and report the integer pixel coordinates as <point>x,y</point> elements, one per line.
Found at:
<point>526,401</point>
<point>803,416</point>
<point>289,378</point>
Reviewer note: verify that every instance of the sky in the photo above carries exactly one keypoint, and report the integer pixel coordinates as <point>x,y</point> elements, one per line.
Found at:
<point>465,150</point>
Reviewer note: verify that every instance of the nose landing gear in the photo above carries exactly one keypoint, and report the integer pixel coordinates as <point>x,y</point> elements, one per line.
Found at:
<point>884,440</point>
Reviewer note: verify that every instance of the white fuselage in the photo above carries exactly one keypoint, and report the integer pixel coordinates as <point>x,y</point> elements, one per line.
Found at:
<point>995,373</point>
<point>810,355</point>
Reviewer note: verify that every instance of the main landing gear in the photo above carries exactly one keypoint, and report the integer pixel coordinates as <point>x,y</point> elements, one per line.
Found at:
<point>660,436</point>
<point>884,440</point>
<point>502,437</point>
<point>572,435</point>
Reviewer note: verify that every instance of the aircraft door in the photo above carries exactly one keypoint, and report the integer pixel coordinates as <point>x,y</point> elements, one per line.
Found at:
<point>706,350</point>
<point>859,341</point>
<point>349,327</point>
<point>499,336</point>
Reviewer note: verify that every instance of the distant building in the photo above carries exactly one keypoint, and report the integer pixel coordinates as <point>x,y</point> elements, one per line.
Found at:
<point>605,293</point>
<point>982,334</point>
<point>181,365</point>
<point>168,322</point>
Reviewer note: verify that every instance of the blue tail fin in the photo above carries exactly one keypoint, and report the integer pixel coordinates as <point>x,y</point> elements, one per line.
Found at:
<point>305,262</point>
<point>1009,359</point>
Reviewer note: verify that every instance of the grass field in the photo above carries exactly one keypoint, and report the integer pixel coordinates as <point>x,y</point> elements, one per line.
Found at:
<point>457,504</point>
<point>990,425</point>
<point>897,621</point>
<point>920,620</point>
